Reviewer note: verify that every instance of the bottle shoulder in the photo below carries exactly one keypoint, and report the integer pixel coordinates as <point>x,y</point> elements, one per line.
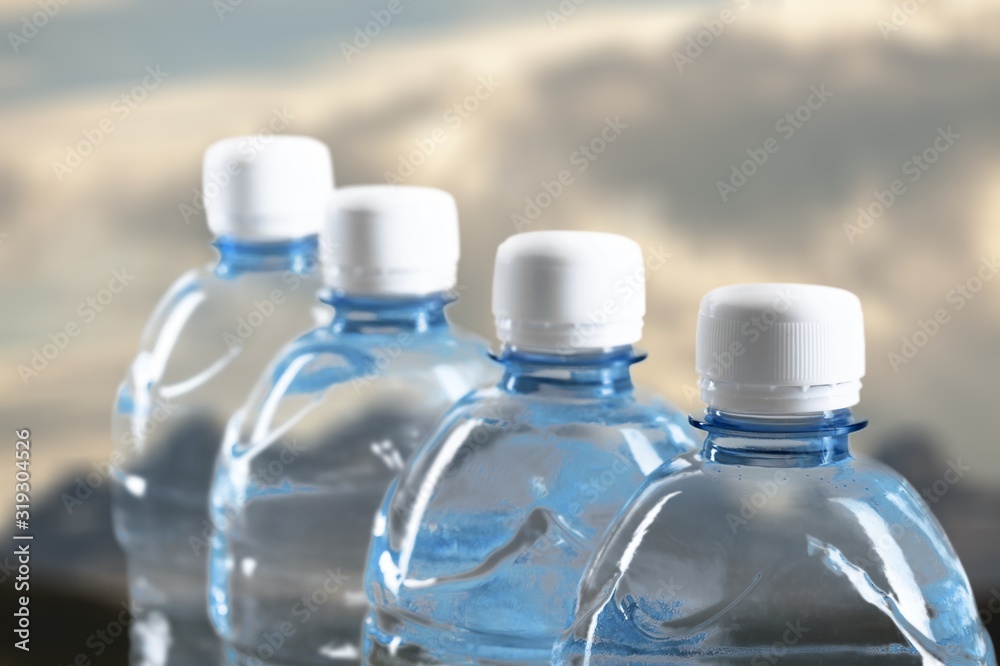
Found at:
<point>851,477</point>
<point>809,498</point>
<point>340,394</point>
<point>208,329</point>
<point>200,298</point>
<point>441,343</point>
<point>494,448</point>
<point>547,410</point>
<point>324,359</point>
<point>730,541</point>
<point>509,421</point>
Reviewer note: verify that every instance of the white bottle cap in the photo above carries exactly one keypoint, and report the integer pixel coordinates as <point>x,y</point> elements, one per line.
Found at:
<point>780,348</point>
<point>569,291</point>
<point>266,187</point>
<point>382,240</point>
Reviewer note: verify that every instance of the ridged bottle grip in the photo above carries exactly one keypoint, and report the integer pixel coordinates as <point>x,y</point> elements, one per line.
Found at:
<point>791,354</point>
<point>780,348</point>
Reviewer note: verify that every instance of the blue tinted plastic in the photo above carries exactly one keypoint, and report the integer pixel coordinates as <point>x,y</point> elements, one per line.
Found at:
<point>775,543</point>
<point>305,467</point>
<point>209,338</point>
<point>479,547</point>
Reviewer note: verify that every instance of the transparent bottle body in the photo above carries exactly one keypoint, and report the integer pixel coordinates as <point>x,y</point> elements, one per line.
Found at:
<point>306,466</point>
<point>210,336</point>
<point>478,549</point>
<point>788,549</point>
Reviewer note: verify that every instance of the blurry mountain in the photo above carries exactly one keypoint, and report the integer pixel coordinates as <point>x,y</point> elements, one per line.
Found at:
<point>969,512</point>
<point>915,455</point>
<point>80,571</point>
<point>77,552</point>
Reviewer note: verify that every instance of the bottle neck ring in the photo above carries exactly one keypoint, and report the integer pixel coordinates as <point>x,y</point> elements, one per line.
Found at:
<point>387,314</point>
<point>239,256</point>
<point>777,440</point>
<point>594,373</point>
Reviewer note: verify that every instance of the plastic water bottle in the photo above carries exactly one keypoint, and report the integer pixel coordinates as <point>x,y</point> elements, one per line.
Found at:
<point>331,424</point>
<point>774,543</point>
<point>209,338</point>
<point>479,547</point>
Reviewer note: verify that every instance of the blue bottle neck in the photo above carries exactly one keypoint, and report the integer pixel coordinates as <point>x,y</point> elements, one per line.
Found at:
<point>238,256</point>
<point>592,374</point>
<point>388,314</point>
<point>793,440</point>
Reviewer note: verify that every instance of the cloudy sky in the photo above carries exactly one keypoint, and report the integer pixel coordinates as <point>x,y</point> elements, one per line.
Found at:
<point>107,106</point>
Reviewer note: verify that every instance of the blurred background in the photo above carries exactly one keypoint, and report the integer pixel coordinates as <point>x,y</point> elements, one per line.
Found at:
<point>853,143</point>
